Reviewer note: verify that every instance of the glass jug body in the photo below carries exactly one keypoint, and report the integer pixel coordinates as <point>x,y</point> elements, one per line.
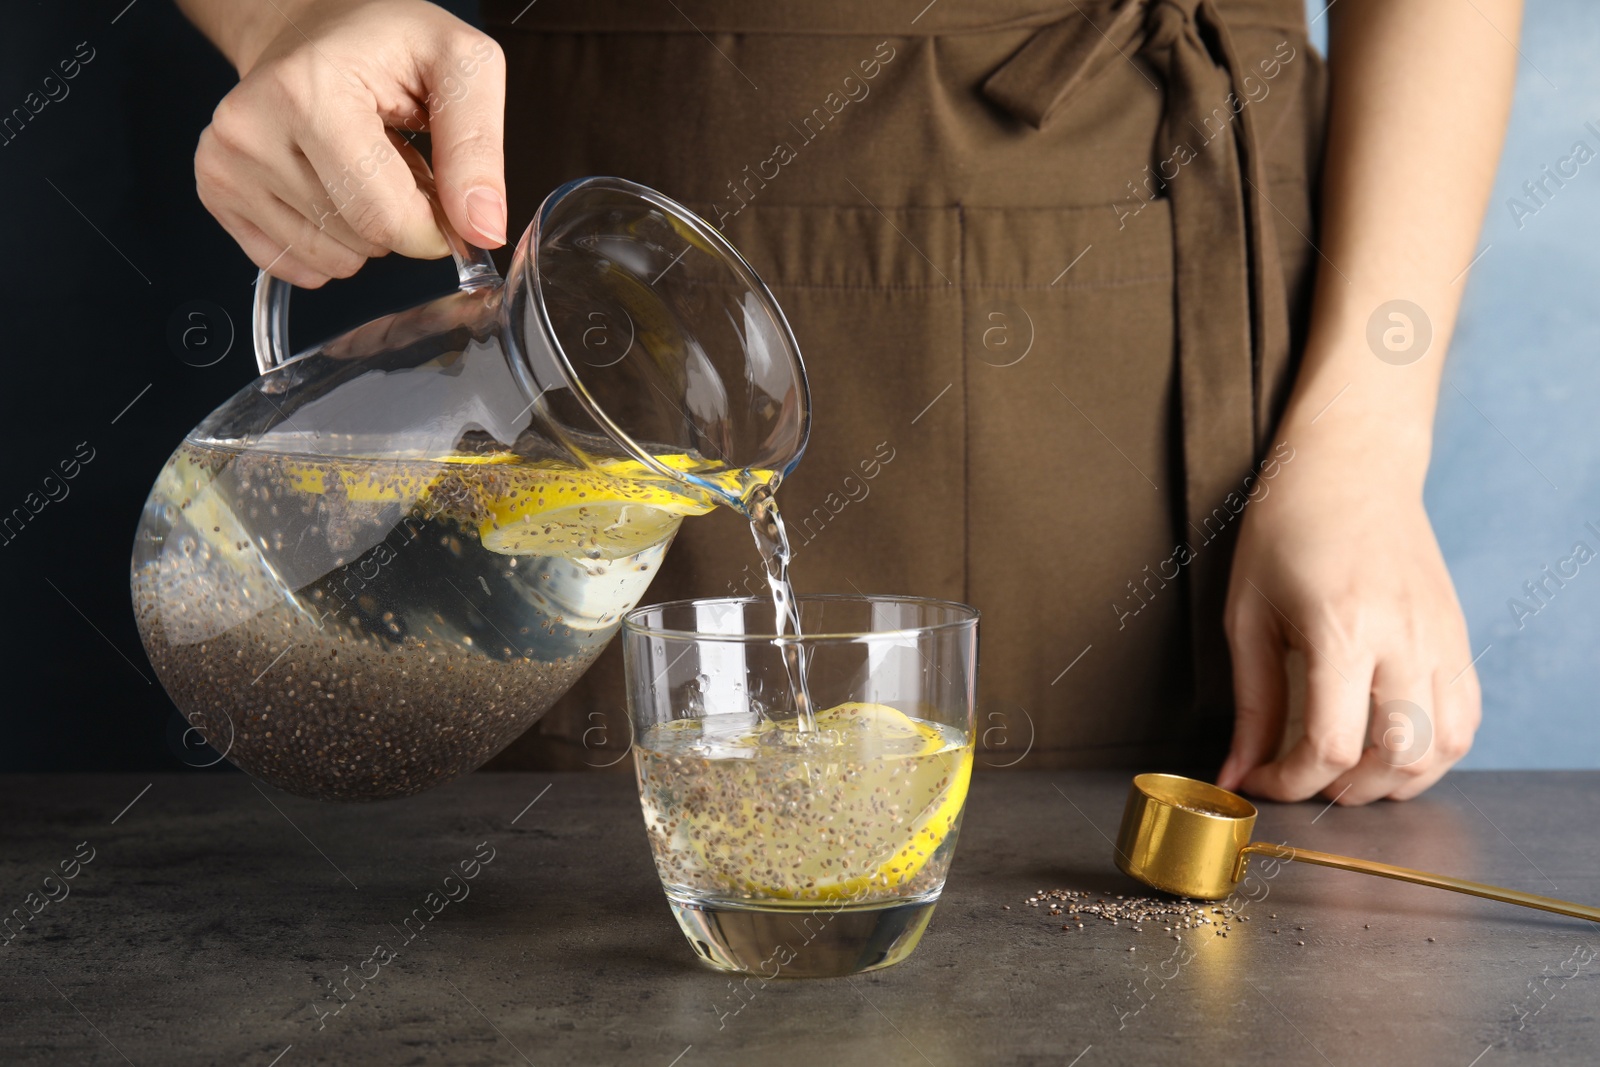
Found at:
<point>385,558</point>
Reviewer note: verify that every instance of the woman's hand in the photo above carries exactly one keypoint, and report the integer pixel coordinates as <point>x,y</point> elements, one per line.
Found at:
<point>1339,561</point>
<point>305,162</point>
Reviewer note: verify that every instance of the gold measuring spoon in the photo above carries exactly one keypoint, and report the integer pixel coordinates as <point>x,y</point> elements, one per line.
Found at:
<point>1192,839</point>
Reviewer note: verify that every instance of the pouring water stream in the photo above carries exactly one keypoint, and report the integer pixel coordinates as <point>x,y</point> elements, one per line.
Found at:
<point>772,541</point>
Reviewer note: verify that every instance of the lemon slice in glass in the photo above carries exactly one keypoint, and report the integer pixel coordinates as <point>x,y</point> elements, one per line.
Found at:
<point>854,811</point>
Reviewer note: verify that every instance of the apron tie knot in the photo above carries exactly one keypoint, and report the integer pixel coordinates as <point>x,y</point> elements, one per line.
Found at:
<point>1062,57</point>
<point>1167,22</point>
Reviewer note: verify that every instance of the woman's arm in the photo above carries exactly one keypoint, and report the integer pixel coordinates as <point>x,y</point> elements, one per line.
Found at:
<point>1340,560</point>
<point>302,163</point>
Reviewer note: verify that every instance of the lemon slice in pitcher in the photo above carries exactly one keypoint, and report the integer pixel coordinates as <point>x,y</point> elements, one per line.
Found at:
<point>588,513</point>
<point>601,531</point>
<point>615,510</point>
<point>366,482</point>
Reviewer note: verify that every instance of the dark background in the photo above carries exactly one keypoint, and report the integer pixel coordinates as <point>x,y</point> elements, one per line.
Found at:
<point>106,251</point>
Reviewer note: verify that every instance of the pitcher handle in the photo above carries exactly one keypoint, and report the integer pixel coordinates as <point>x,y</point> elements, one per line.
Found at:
<point>269,320</point>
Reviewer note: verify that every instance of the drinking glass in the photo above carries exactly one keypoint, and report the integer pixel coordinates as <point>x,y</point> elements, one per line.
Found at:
<point>793,848</point>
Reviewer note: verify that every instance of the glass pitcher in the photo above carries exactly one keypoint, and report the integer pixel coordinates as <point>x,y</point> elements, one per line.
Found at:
<point>381,561</point>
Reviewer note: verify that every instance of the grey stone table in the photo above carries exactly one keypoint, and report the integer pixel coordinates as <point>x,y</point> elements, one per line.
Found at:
<point>206,917</point>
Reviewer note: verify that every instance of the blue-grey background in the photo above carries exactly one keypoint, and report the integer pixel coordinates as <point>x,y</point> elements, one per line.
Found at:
<point>104,245</point>
<point>1516,461</point>
<point>1528,355</point>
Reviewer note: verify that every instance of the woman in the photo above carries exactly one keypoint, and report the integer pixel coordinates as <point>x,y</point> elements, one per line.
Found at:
<point>1078,339</point>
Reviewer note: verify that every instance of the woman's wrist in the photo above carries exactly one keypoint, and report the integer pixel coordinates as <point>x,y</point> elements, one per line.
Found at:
<point>242,30</point>
<point>274,18</point>
<point>1374,422</point>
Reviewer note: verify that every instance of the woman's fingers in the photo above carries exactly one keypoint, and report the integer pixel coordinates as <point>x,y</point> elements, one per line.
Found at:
<point>467,93</point>
<point>277,236</point>
<point>376,194</point>
<point>1389,726</point>
<point>1457,712</point>
<point>271,256</point>
<point>1336,726</point>
<point>1400,733</point>
<point>310,243</point>
<point>248,170</point>
<point>1379,725</point>
<point>1260,687</point>
<point>299,186</point>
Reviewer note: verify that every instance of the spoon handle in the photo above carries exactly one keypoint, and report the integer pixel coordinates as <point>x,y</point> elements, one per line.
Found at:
<point>1406,874</point>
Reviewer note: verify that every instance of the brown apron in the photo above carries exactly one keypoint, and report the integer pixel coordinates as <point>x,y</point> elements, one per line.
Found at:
<point>1049,273</point>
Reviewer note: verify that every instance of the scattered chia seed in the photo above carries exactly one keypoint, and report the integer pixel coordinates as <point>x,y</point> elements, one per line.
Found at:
<point>1169,913</point>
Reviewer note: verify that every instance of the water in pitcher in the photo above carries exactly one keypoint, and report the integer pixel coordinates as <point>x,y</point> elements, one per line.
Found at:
<point>388,623</point>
